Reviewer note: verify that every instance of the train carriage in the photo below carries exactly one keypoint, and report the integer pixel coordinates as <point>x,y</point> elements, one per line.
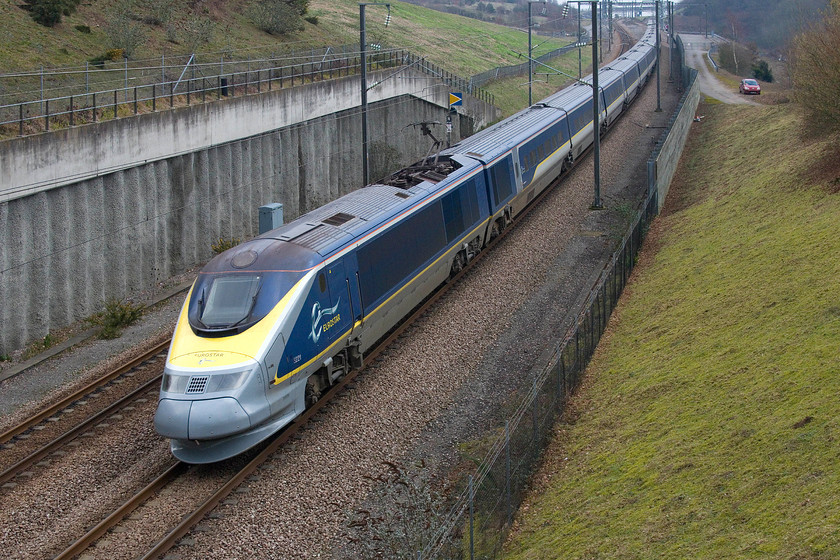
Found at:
<point>272,323</point>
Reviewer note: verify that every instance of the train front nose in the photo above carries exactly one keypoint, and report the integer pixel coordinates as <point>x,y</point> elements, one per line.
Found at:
<point>202,406</point>
<point>200,419</point>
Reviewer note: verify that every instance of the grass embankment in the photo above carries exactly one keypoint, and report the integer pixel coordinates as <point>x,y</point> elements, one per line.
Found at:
<point>460,45</point>
<point>707,426</point>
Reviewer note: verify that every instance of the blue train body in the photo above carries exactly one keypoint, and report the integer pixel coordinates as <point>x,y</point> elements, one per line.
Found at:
<point>272,323</point>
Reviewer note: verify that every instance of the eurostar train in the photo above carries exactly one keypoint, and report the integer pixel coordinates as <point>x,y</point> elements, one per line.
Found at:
<point>271,324</point>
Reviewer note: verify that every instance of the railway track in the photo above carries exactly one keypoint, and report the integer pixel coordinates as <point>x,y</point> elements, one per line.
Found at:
<point>62,413</point>
<point>155,488</point>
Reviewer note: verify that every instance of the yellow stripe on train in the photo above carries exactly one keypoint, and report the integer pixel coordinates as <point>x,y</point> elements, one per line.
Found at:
<point>189,350</point>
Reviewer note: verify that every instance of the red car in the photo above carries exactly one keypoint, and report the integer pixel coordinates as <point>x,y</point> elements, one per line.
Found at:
<point>748,85</point>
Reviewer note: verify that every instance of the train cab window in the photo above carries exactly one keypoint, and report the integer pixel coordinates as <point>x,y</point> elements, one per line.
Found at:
<point>322,282</point>
<point>230,300</point>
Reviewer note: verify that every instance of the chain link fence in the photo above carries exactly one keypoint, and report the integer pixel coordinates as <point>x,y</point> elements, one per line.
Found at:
<point>477,523</point>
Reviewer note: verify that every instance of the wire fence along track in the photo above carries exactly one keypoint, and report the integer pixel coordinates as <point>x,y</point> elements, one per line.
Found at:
<point>517,69</point>
<point>483,511</point>
<point>149,89</point>
<point>477,523</point>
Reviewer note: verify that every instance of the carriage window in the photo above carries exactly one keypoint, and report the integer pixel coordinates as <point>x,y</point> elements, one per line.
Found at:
<point>322,282</point>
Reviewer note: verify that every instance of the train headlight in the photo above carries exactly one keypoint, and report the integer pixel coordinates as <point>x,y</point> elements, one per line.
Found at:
<point>203,383</point>
<point>227,381</point>
<point>174,383</point>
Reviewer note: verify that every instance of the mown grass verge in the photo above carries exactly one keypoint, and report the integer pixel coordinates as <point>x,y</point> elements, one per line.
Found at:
<point>707,424</point>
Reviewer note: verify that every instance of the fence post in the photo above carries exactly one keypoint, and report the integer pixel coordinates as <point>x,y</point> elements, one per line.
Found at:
<point>47,114</point>
<point>135,100</point>
<point>561,379</point>
<point>171,95</point>
<point>94,106</point>
<point>115,104</point>
<point>259,81</point>
<point>472,519</point>
<point>20,120</point>
<point>507,473</point>
<point>71,111</point>
<point>534,415</point>
<point>154,98</point>
<point>602,309</point>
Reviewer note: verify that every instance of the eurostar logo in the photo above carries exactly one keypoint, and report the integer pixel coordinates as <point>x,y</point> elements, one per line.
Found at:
<point>317,315</point>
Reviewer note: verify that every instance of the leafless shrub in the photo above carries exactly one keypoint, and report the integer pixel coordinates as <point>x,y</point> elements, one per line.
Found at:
<point>816,70</point>
<point>123,28</point>
<point>277,17</point>
<point>399,517</point>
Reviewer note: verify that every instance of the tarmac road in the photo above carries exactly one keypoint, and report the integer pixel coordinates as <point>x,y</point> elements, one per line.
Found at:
<point>696,47</point>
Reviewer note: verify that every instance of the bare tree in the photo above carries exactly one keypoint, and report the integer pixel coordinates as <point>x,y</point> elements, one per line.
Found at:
<point>816,70</point>
<point>123,28</point>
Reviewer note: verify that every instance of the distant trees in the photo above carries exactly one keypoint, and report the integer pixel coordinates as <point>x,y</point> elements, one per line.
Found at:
<point>761,71</point>
<point>815,67</point>
<point>768,24</point>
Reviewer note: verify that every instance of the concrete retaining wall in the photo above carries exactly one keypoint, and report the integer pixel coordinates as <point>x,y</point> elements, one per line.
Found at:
<point>663,165</point>
<point>101,212</point>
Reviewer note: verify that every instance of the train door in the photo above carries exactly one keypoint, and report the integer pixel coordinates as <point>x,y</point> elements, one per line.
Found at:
<point>517,168</point>
<point>351,277</point>
<point>338,317</point>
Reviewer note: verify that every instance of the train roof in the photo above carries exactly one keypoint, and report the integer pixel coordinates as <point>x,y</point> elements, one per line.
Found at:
<point>339,223</point>
<point>572,96</point>
<point>623,64</point>
<point>496,140</point>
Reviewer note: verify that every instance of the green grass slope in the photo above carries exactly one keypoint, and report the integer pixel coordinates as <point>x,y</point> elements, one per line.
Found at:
<point>707,426</point>
<point>460,45</point>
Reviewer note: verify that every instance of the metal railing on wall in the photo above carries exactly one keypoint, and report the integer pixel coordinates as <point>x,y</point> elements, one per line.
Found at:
<point>477,523</point>
<point>502,72</point>
<point>200,83</point>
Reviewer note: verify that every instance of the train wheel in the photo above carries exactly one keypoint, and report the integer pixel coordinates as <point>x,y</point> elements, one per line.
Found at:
<point>458,264</point>
<point>312,393</point>
<point>495,230</point>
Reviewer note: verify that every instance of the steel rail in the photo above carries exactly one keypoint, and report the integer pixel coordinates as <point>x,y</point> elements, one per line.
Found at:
<point>130,505</point>
<point>64,403</point>
<point>71,434</point>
